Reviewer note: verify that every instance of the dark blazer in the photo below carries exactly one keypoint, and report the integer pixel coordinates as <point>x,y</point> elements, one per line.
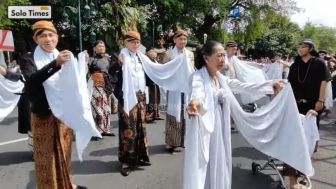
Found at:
<point>13,76</point>
<point>34,83</point>
<point>116,71</point>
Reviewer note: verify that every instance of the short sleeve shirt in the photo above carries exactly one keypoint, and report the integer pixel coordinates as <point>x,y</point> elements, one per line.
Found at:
<point>306,78</point>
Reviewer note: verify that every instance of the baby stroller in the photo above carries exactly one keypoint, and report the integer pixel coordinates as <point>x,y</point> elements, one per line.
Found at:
<point>275,165</point>
<point>279,168</point>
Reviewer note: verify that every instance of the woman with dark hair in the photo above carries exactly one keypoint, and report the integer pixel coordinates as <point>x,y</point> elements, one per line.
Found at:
<point>208,136</point>
<point>100,73</point>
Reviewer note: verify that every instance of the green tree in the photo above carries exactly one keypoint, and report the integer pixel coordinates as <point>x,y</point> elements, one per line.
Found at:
<point>279,35</point>
<point>323,37</point>
<point>105,19</point>
<point>5,22</point>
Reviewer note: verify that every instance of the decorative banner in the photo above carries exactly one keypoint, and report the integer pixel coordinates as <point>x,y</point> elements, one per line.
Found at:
<point>29,12</point>
<point>6,40</point>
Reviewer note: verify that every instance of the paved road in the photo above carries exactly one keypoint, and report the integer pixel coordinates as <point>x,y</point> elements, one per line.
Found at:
<point>101,168</point>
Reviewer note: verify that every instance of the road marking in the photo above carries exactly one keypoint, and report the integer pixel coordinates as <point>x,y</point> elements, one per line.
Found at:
<point>13,141</point>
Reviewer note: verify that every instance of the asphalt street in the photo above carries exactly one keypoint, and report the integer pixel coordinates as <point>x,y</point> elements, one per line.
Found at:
<point>100,168</point>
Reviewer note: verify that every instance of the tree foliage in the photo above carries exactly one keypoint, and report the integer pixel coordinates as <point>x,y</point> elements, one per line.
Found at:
<point>324,37</point>
<point>262,29</point>
<point>279,35</point>
<point>5,22</point>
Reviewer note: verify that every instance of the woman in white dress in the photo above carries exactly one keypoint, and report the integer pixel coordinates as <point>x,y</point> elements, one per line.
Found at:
<point>208,143</point>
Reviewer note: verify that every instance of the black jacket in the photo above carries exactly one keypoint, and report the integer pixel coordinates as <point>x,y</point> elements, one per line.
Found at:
<point>13,76</point>
<point>34,83</point>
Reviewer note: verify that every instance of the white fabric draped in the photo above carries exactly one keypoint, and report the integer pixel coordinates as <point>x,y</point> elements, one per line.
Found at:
<point>250,74</point>
<point>68,98</point>
<point>2,60</point>
<point>8,98</point>
<point>274,70</point>
<point>311,132</point>
<point>329,103</point>
<point>171,76</point>
<point>275,129</point>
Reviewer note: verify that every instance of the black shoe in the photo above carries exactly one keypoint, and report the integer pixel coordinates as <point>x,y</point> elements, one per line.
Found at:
<point>81,187</point>
<point>125,171</point>
<point>108,134</point>
<point>171,150</point>
<point>144,163</point>
<point>95,138</point>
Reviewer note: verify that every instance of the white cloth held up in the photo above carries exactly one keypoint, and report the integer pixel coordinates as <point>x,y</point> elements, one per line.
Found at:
<point>275,129</point>
<point>8,98</point>
<point>249,74</point>
<point>171,76</point>
<point>68,98</point>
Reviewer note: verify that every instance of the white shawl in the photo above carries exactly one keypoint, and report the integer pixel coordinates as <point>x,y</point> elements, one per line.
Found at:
<point>171,76</point>
<point>329,103</point>
<point>275,129</point>
<point>174,102</point>
<point>8,99</point>
<point>274,70</point>
<point>67,96</point>
<point>250,74</point>
<point>311,132</point>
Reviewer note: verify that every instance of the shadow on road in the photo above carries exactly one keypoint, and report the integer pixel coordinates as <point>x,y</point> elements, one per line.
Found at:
<point>9,121</point>
<point>157,149</point>
<point>32,183</point>
<point>105,152</point>
<point>8,158</point>
<point>95,167</point>
<point>242,178</point>
<point>248,152</point>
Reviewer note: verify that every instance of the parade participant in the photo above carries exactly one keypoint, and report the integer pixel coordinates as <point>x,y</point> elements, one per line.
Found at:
<point>133,143</point>
<point>130,91</point>
<point>308,76</point>
<point>243,71</point>
<point>99,71</point>
<point>154,92</point>
<point>49,91</point>
<point>275,69</point>
<point>175,121</point>
<point>208,158</point>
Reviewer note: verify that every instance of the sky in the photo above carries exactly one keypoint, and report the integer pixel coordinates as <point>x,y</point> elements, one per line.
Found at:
<point>318,12</point>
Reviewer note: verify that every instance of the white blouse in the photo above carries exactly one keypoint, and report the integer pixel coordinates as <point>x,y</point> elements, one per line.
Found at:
<point>138,74</point>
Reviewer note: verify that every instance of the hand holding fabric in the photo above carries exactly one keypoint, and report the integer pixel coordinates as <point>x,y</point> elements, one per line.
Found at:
<point>194,108</point>
<point>87,57</point>
<point>63,57</point>
<point>319,106</point>
<point>312,113</point>
<point>121,58</point>
<point>3,71</point>
<point>278,86</point>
